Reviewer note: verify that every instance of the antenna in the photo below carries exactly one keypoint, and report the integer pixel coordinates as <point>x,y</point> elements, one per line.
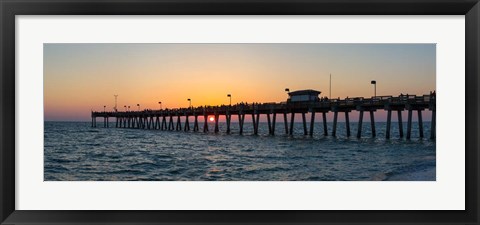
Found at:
<point>330,97</point>
<point>115,102</point>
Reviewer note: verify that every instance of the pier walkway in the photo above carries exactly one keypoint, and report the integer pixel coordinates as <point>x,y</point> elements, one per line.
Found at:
<point>164,119</point>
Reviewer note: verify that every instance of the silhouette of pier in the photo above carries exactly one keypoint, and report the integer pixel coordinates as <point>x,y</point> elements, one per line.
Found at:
<point>170,119</point>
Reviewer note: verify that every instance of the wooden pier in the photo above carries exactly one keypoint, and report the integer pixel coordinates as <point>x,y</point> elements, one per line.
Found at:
<point>164,119</point>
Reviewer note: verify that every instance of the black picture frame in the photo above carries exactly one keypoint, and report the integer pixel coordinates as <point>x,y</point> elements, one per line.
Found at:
<point>10,8</point>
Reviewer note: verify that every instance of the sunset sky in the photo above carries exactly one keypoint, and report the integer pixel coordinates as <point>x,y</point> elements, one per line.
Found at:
<point>79,78</point>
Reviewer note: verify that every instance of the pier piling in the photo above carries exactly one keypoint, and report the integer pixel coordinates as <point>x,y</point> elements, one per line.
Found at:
<point>205,123</point>
<point>170,123</point>
<point>389,121</point>
<point>157,123</point>
<point>164,123</point>
<point>216,122</point>
<point>241,118</point>
<point>151,123</point>
<point>274,119</point>
<point>292,119</point>
<point>420,123</point>
<point>347,123</point>
<point>269,124</point>
<point>335,117</point>
<point>228,117</point>
<point>179,123</point>
<point>304,124</point>
<point>372,123</point>
<point>360,121</point>
<point>195,123</point>
<point>312,121</point>
<point>254,123</point>
<point>409,124</point>
<point>325,127</point>
<point>400,123</point>
<point>187,123</point>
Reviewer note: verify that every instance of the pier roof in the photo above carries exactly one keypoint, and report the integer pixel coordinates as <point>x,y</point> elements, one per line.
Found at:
<point>304,92</point>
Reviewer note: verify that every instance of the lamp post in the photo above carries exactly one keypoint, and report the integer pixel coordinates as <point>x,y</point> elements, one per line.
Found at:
<point>115,108</point>
<point>138,107</point>
<point>160,103</point>
<point>230,96</point>
<point>129,108</point>
<point>330,88</point>
<point>125,107</point>
<point>104,110</point>
<point>374,87</point>
<point>189,103</point>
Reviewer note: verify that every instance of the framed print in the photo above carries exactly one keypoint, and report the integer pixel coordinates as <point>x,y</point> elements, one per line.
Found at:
<point>256,112</point>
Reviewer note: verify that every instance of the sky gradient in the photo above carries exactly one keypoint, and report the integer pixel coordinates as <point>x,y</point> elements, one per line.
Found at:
<point>83,77</point>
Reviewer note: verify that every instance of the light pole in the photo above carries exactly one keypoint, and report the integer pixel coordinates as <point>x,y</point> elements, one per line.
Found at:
<point>374,87</point>
<point>138,107</point>
<point>190,103</point>
<point>230,96</point>
<point>104,110</point>
<point>129,108</point>
<point>160,103</point>
<point>115,102</point>
<point>330,89</point>
<point>125,107</point>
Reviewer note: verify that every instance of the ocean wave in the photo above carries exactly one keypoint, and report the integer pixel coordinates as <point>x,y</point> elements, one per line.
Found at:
<point>132,154</point>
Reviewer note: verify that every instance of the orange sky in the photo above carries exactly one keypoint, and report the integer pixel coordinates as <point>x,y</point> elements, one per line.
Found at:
<point>83,77</point>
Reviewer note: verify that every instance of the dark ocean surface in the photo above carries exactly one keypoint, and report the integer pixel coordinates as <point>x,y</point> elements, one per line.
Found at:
<point>74,151</point>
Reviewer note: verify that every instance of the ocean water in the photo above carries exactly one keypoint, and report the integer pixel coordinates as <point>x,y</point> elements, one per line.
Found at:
<point>74,151</point>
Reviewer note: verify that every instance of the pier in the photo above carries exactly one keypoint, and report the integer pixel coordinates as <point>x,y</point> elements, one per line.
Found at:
<point>170,119</point>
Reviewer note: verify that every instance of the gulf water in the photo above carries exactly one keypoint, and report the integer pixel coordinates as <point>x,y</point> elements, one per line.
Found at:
<point>74,151</point>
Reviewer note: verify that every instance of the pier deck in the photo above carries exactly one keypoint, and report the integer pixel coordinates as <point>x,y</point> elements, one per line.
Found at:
<point>164,119</point>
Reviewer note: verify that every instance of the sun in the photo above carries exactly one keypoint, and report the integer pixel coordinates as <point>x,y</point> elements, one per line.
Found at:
<point>211,119</point>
